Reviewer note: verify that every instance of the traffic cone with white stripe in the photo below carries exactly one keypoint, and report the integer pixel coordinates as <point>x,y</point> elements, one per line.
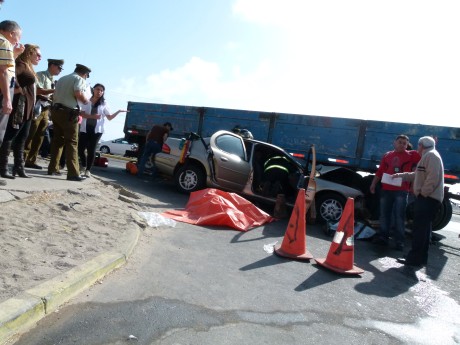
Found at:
<point>294,243</point>
<point>340,258</point>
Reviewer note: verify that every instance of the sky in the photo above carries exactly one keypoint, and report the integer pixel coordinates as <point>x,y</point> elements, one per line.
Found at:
<point>393,60</point>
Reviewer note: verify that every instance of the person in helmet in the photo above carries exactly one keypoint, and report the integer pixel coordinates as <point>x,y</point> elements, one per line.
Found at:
<point>244,133</point>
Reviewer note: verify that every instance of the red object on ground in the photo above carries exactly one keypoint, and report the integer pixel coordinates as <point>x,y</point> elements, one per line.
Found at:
<point>215,207</point>
<point>131,167</point>
<point>101,161</point>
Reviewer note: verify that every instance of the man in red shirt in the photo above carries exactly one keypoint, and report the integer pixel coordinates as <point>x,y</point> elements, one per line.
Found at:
<point>154,142</point>
<point>393,198</point>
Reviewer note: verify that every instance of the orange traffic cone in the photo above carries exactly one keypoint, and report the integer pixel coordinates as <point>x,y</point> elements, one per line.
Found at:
<point>340,258</point>
<point>294,241</point>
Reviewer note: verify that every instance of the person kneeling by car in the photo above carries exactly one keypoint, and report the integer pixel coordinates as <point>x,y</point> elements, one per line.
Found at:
<point>154,142</point>
<point>278,178</point>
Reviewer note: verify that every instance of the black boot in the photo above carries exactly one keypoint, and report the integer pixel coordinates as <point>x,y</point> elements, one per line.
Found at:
<point>20,172</point>
<point>4,153</point>
<point>18,168</point>
<point>7,174</point>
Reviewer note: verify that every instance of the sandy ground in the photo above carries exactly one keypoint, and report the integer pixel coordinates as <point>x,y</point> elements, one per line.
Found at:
<point>48,233</point>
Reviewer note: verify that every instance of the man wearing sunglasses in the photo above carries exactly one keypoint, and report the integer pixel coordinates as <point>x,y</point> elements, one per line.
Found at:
<point>45,90</point>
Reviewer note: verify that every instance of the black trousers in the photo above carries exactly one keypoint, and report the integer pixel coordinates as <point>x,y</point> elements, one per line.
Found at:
<point>87,147</point>
<point>425,210</point>
<point>14,138</point>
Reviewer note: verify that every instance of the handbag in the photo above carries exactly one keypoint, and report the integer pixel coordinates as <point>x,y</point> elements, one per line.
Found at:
<point>18,115</point>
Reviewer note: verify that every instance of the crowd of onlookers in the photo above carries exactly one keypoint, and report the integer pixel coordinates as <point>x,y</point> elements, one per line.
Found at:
<point>34,102</point>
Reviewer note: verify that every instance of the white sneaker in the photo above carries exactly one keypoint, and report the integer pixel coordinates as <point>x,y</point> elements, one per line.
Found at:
<point>87,173</point>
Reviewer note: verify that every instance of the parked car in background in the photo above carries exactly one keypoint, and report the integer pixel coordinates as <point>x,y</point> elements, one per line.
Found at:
<point>229,162</point>
<point>119,147</point>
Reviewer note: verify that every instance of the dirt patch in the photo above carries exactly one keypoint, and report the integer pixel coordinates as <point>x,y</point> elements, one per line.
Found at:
<point>48,233</point>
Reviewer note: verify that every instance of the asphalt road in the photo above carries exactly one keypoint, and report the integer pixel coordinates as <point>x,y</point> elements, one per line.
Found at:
<point>198,285</point>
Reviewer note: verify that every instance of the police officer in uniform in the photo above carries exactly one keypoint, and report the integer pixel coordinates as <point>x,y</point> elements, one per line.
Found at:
<point>45,89</point>
<point>65,111</point>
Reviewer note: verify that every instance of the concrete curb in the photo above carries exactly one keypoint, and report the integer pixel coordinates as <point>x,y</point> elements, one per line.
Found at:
<point>20,313</point>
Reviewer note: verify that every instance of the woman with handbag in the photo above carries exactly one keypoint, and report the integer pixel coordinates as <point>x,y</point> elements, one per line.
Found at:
<point>20,118</point>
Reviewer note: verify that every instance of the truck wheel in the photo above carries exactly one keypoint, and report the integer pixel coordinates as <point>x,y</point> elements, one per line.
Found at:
<point>443,216</point>
<point>105,149</point>
<point>441,219</point>
<point>329,207</point>
<point>189,178</point>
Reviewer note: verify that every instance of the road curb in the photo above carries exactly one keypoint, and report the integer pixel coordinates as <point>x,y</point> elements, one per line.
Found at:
<point>21,312</point>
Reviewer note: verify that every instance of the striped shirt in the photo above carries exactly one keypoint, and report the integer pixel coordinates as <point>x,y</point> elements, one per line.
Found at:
<point>7,56</point>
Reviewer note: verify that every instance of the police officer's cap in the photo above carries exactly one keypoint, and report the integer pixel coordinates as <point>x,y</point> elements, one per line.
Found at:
<point>82,68</point>
<point>57,62</point>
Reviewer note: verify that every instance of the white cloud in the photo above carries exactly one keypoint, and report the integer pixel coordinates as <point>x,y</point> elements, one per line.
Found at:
<point>199,82</point>
<point>196,74</point>
<point>391,60</point>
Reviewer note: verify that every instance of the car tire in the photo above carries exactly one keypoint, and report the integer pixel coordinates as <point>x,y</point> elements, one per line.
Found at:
<point>189,178</point>
<point>105,149</point>
<point>441,219</point>
<point>329,207</point>
<point>443,216</point>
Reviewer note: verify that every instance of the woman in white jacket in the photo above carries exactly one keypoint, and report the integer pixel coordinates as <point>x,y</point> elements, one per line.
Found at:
<point>92,126</point>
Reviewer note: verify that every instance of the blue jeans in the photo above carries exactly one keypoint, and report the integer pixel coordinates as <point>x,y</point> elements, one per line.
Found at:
<point>393,211</point>
<point>151,148</point>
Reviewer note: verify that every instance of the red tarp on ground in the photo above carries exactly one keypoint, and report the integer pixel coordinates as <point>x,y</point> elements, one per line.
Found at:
<point>215,207</point>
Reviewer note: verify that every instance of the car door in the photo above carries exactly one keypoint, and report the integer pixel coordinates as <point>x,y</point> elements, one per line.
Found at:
<point>115,147</point>
<point>120,146</point>
<point>231,166</point>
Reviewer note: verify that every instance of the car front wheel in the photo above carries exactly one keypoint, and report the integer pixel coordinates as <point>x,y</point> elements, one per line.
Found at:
<point>329,207</point>
<point>189,178</point>
<point>105,149</point>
